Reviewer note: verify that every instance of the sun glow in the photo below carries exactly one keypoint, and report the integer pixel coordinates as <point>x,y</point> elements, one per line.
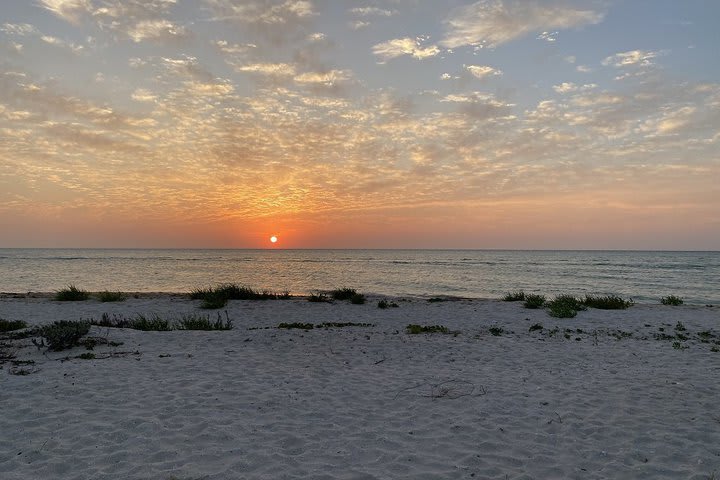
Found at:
<point>273,239</point>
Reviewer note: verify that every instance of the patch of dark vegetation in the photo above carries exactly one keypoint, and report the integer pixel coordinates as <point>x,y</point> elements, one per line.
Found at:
<point>344,324</point>
<point>518,296</point>
<point>343,293</point>
<point>91,342</point>
<point>71,294</point>
<point>11,325</point>
<point>297,325</point>
<point>217,297</point>
<point>534,301</point>
<point>319,298</point>
<point>383,304</point>
<point>565,306</point>
<point>153,323</point>
<point>609,302</point>
<point>536,326</point>
<point>199,322</point>
<point>63,334</point>
<point>680,327</point>
<point>416,329</point>
<point>107,296</point>
<point>437,299</point>
<point>671,300</point>
<point>86,356</point>
<point>496,331</point>
<point>357,299</point>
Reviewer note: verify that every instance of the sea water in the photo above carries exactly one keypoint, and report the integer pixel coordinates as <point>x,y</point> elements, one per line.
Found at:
<point>642,276</point>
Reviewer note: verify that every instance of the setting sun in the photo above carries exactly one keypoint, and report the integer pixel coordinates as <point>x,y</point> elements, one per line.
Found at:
<point>273,239</point>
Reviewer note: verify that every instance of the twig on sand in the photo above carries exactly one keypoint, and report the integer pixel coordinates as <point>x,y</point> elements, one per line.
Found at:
<point>451,389</point>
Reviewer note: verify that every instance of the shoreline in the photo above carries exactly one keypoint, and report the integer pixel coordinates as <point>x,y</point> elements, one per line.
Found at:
<point>602,395</point>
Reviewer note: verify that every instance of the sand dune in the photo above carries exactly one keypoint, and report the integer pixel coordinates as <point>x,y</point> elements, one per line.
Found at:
<point>366,402</point>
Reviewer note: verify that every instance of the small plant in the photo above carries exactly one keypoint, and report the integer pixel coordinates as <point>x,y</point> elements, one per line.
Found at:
<point>518,296</point>
<point>230,291</point>
<point>319,298</point>
<point>565,306</point>
<point>344,324</point>
<point>496,331</point>
<point>71,294</point>
<point>343,293</point>
<point>11,325</point>
<point>436,299</point>
<point>679,346</point>
<point>536,326</point>
<point>63,334</point>
<point>534,301</point>
<point>680,327</point>
<point>138,322</point>
<point>416,329</point>
<point>671,300</point>
<point>610,302</point>
<point>86,356</point>
<point>385,304</point>
<point>199,322</point>
<point>107,296</point>
<point>298,325</point>
<point>357,299</point>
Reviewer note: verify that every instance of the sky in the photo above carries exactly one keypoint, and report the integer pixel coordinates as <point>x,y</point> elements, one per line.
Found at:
<point>518,124</point>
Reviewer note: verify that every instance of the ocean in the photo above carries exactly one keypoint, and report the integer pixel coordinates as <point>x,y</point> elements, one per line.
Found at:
<point>643,276</point>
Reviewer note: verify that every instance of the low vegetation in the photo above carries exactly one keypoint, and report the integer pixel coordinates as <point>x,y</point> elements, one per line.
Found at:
<point>63,334</point>
<point>343,293</point>
<point>357,299</point>
<point>536,326</point>
<point>199,322</point>
<point>383,304</point>
<point>156,323</point>
<point>496,331</point>
<point>534,301</point>
<point>217,297</point>
<point>319,298</point>
<point>107,296</point>
<point>671,300</point>
<point>71,294</point>
<point>609,302</point>
<point>416,329</point>
<point>11,325</point>
<point>298,325</point>
<point>518,296</point>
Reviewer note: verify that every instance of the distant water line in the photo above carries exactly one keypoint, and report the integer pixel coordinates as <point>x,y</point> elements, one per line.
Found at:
<point>643,276</point>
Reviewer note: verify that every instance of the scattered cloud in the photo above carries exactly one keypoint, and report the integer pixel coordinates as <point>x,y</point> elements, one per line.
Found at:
<point>156,30</point>
<point>482,71</point>
<point>405,46</point>
<point>372,11</point>
<point>569,87</point>
<point>490,23</point>
<point>549,37</point>
<point>633,58</point>
<point>271,69</point>
<point>69,10</point>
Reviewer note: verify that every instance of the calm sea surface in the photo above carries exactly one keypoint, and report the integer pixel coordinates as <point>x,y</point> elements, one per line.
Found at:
<point>643,276</point>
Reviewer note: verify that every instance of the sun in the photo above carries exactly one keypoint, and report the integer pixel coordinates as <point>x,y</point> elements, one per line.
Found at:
<point>273,239</point>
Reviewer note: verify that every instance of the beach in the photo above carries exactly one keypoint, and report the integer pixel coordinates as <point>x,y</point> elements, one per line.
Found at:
<point>620,394</point>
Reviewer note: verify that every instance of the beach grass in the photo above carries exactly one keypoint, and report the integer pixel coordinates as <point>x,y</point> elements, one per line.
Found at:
<point>608,302</point>
<point>417,329</point>
<point>200,322</point>
<point>71,294</point>
<point>671,300</point>
<point>357,299</point>
<point>107,296</point>
<point>11,325</point>
<point>296,325</point>
<point>343,293</point>
<point>63,334</point>
<point>565,306</point>
<point>383,304</point>
<point>534,301</point>
<point>496,331</point>
<point>518,296</point>
<point>319,298</point>
<point>142,322</point>
<point>218,296</point>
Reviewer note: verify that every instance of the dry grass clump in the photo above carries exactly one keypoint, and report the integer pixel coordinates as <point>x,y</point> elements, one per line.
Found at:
<point>609,302</point>
<point>71,294</point>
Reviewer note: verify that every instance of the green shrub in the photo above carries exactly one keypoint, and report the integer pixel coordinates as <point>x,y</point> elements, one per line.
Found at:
<point>671,300</point>
<point>534,301</point>
<point>10,325</point>
<point>63,334</point>
<point>561,310</point>
<point>213,302</point>
<point>107,296</point>
<point>220,294</point>
<point>199,322</point>
<point>534,327</point>
<point>344,324</point>
<point>86,356</point>
<point>138,322</point>
<point>437,299</point>
<point>610,302</point>
<point>385,304</point>
<point>416,329</point>
<point>343,293</point>
<point>319,298</point>
<point>496,331</point>
<point>298,325</point>
<point>71,294</point>
<point>518,296</point>
<point>568,300</point>
<point>357,299</point>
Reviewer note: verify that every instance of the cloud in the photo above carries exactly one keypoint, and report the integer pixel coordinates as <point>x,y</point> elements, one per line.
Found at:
<point>482,71</point>
<point>143,95</point>
<point>270,69</point>
<point>372,11</point>
<point>549,37</point>
<point>568,87</point>
<point>490,23</point>
<point>156,30</point>
<point>68,10</point>
<point>405,46</point>
<point>633,58</point>
<point>19,29</point>
<point>329,79</point>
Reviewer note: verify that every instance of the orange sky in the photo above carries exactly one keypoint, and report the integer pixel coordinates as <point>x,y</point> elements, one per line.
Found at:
<point>494,124</point>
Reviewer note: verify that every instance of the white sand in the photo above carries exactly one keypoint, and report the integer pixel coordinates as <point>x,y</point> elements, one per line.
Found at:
<point>338,404</point>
